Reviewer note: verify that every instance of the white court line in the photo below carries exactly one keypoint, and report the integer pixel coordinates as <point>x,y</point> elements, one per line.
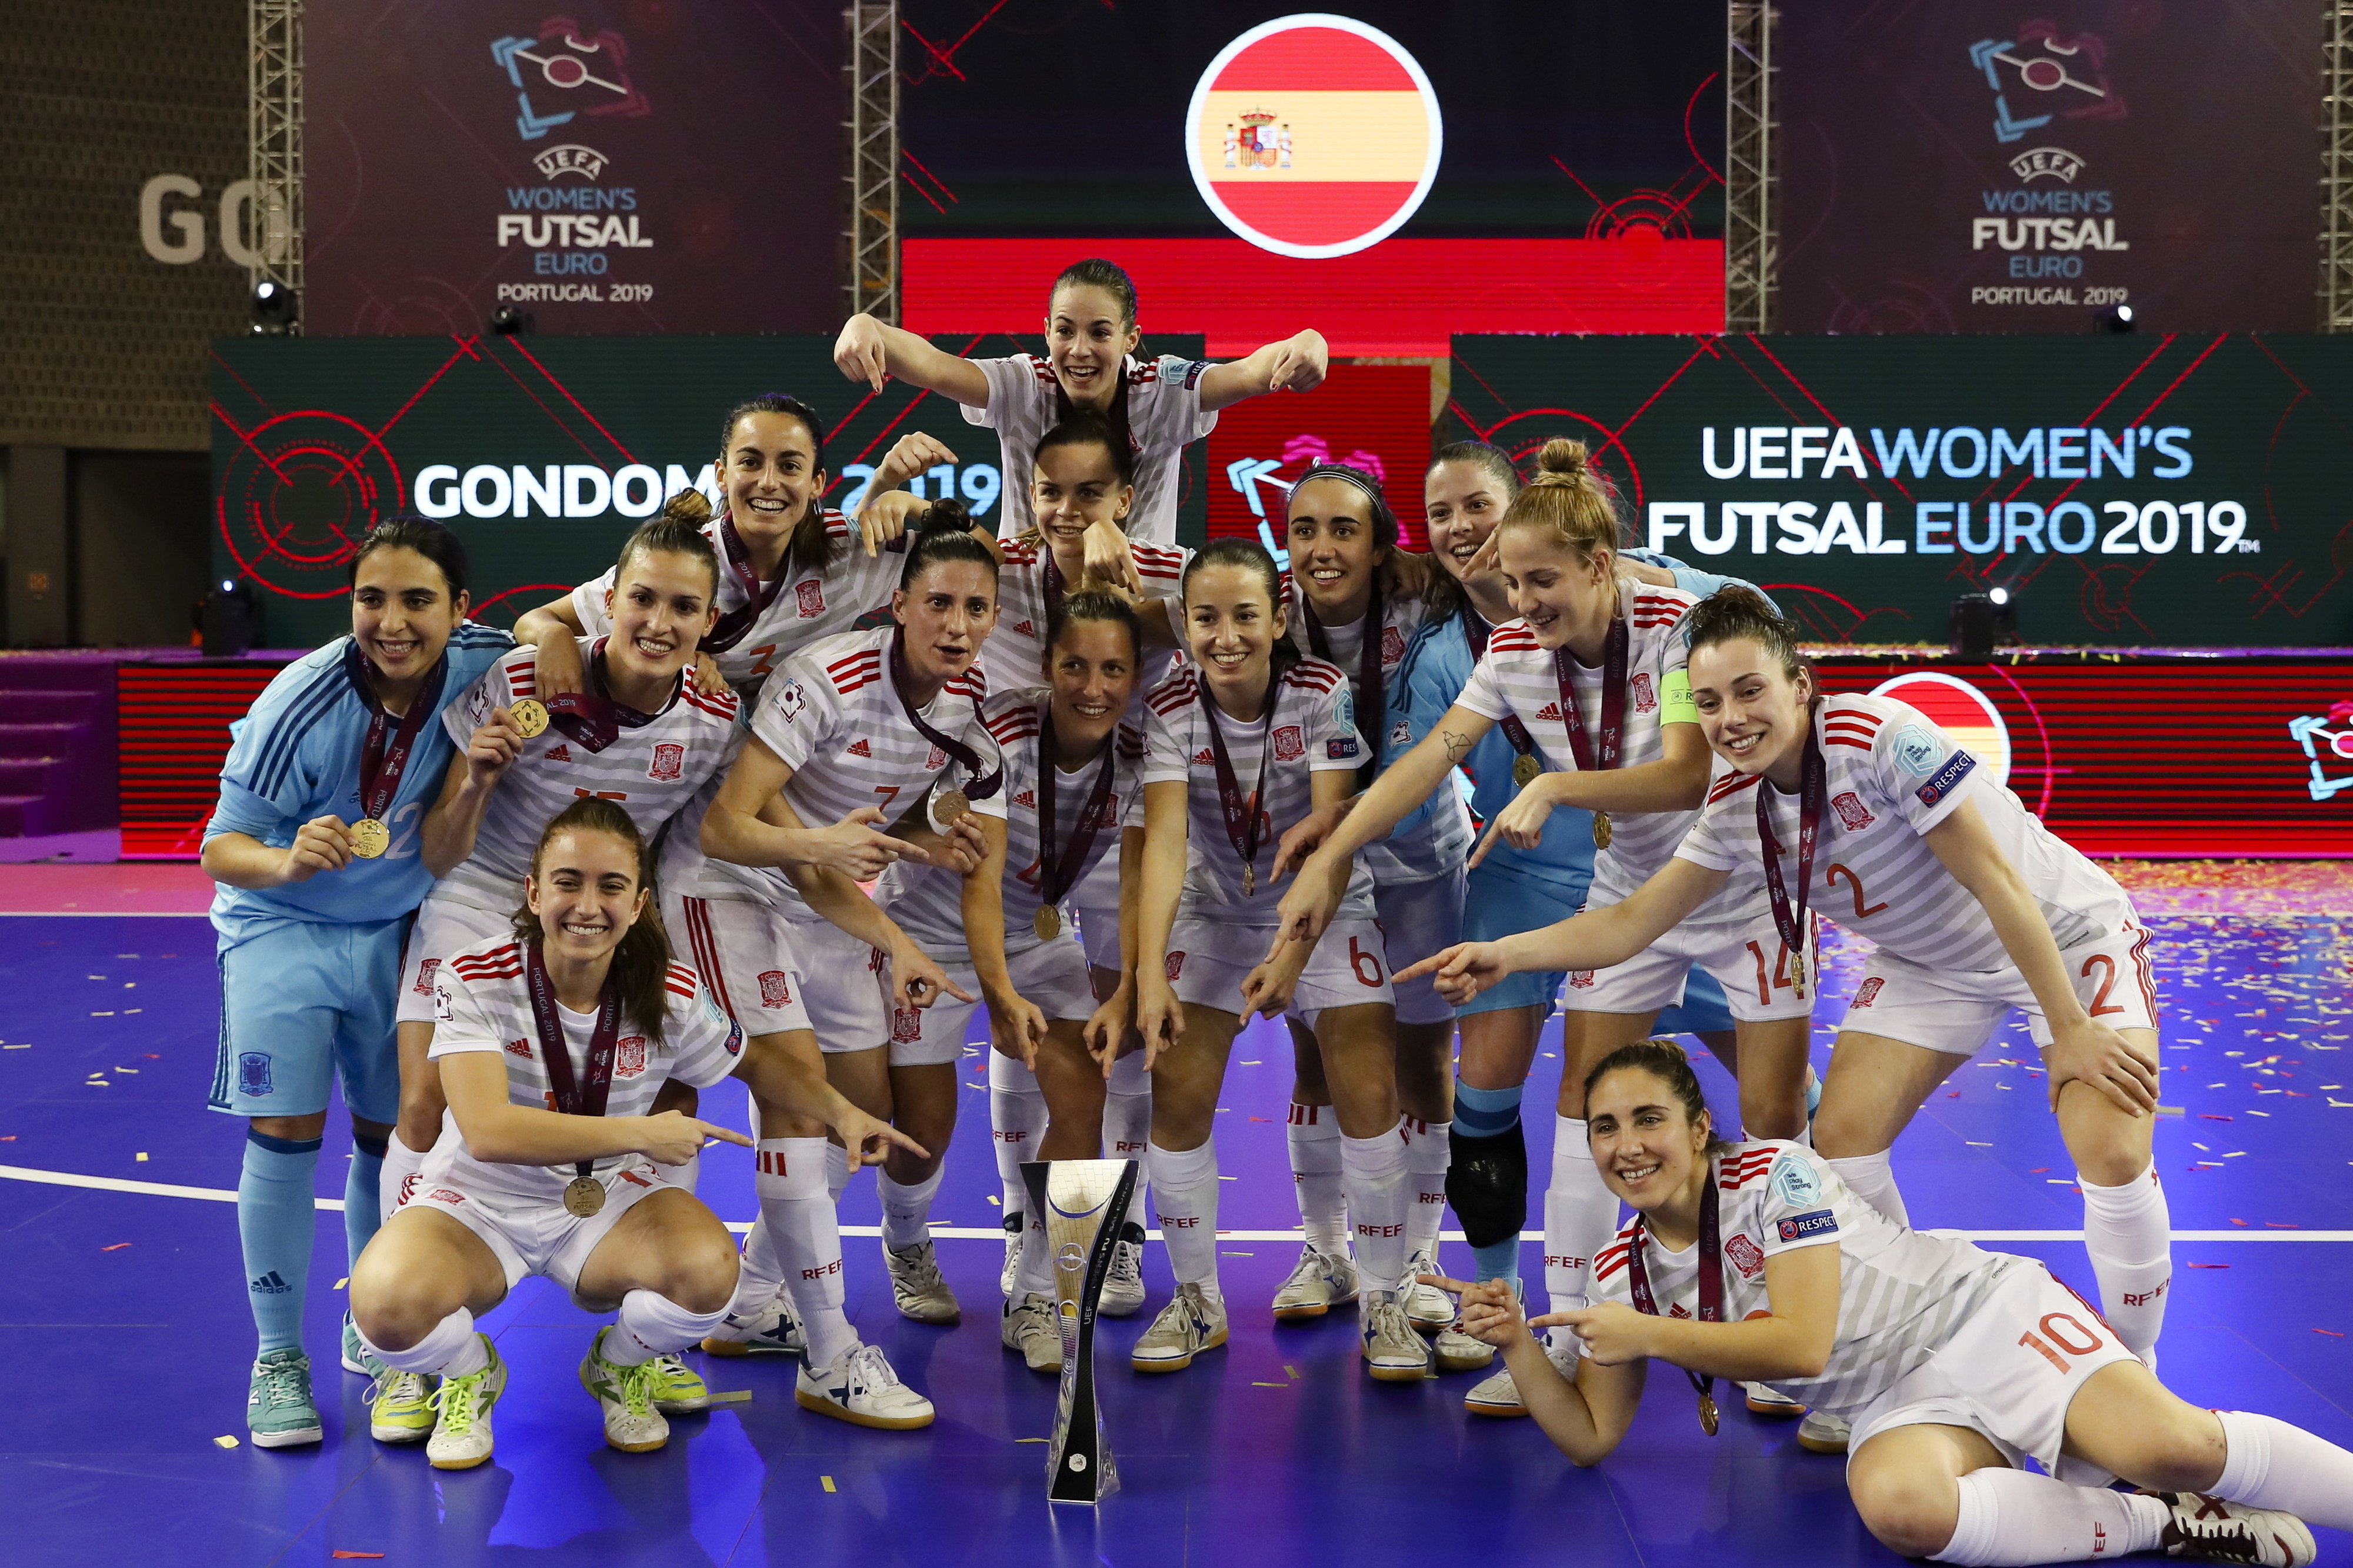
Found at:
<point>994,1232</point>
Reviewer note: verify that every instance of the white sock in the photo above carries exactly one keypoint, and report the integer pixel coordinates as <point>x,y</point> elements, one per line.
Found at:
<point>1186,1194</point>
<point>907,1209</point>
<point>652,1324</point>
<point>800,1235</point>
<point>2269,1463</point>
<point>2010,1518</point>
<point>1580,1216</point>
<point>1316,1164</point>
<point>759,1273</point>
<point>1429,1145</point>
<point>1127,1121</point>
<point>401,1163</point>
<point>451,1350</point>
<point>1035,1273</point>
<point>685,1175</point>
<point>1374,1172</point>
<point>2129,1231</point>
<point>837,1170</point>
<point>1870,1178</point>
<point>1016,1117</point>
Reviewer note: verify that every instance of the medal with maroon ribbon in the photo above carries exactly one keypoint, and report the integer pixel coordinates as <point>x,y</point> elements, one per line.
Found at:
<point>1242,818</point>
<point>951,807</point>
<point>1371,695</point>
<point>584,1194</point>
<point>1813,795</point>
<point>595,722</point>
<point>1056,874</point>
<point>383,754</point>
<point>1600,752</point>
<point>732,627</point>
<point>1710,1289</point>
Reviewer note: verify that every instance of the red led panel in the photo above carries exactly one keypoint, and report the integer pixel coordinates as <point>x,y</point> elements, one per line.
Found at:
<point>174,721</point>
<point>1400,296</point>
<point>1372,417</point>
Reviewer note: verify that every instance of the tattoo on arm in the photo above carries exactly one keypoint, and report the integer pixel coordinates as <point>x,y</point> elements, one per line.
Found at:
<point>1458,745</point>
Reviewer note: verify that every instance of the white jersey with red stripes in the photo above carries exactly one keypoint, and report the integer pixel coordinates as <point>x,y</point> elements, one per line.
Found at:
<point>1312,729</point>
<point>480,1002</point>
<point>821,601</point>
<point>1515,675</point>
<point>1163,403</point>
<point>1902,1293</point>
<point>928,902</point>
<point>1012,659</point>
<point>1892,775</point>
<point>651,771</point>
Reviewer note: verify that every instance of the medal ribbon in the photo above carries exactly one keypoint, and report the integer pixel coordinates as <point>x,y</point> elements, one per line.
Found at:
<point>1813,793</point>
<point>384,756</point>
<point>1056,876</point>
<point>966,757</point>
<point>1371,697</point>
<point>1242,818</point>
<point>572,1097</point>
<point>595,722</point>
<point>731,627</point>
<point>1711,1276</point>
<point>1597,755</point>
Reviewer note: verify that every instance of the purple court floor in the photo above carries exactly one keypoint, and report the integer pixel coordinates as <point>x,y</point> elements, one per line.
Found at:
<point>122,1300</point>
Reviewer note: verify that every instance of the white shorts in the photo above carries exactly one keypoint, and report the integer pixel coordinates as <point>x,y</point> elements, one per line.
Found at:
<point>1095,903</point>
<point>1209,959</point>
<point>743,953</point>
<point>443,927</point>
<point>1750,960</point>
<point>2009,1371</point>
<point>530,1236</point>
<point>1956,1012</point>
<point>1417,919</point>
<point>845,989</point>
<point>1052,975</point>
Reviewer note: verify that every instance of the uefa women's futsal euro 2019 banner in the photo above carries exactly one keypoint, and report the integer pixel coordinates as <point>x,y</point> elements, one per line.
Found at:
<point>2169,490</point>
<point>542,453</point>
<point>607,167</point>
<point>2021,166</point>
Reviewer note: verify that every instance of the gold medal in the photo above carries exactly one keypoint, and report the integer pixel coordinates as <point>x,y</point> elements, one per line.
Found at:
<point>583,1196</point>
<point>1524,770</point>
<point>370,839</point>
<point>1797,974</point>
<point>530,717</point>
<point>1709,1417</point>
<point>1048,924</point>
<point>1601,830</point>
<point>952,808</point>
<point>1250,879</point>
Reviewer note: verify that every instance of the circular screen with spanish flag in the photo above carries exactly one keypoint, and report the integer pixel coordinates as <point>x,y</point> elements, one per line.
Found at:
<point>1960,710</point>
<point>1313,135</point>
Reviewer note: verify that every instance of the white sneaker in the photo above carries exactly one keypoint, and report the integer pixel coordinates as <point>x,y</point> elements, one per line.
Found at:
<point>1188,1325</point>
<point>461,1422</point>
<point>862,1390</point>
<point>1009,1272</point>
<point>1821,1434</point>
<point>1393,1352</point>
<point>1500,1396</point>
<point>626,1396</point>
<point>2223,1531</point>
<point>774,1330</point>
<point>917,1287</point>
<point>1034,1328</point>
<point>1770,1403</point>
<point>1122,1292</point>
<point>1458,1352</point>
<point>1428,1308</point>
<point>1319,1281</point>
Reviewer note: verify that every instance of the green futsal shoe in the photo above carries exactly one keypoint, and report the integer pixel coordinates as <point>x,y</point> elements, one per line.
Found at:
<point>400,1407</point>
<point>356,1357</point>
<point>678,1390</point>
<point>626,1396</point>
<point>279,1411</point>
<point>462,1405</point>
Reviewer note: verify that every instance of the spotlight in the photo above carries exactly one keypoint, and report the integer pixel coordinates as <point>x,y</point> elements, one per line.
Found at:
<point>506,322</point>
<point>1999,596</point>
<point>1982,622</point>
<point>275,308</point>
<point>226,620</point>
<point>2115,320</point>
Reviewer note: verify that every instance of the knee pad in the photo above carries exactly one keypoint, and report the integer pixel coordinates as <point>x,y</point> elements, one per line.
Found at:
<point>1487,1183</point>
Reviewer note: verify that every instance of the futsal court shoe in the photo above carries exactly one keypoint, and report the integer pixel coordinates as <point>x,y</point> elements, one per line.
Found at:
<point>862,1389</point>
<point>1122,1292</point>
<point>1458,1352</point>
<point>774,1330</point>
<point>1188,1325</point>
<point>626,1396</point>
<point>1771,1404</point>
<point>400,1407</point>
<point>279,1411</point>
<point>356,1353</point>
<point>1429,1308</point>
<point>462,1405</point>
<point>917,1287</point>
<point>1822,1434</point>
<point>1499,1396</point>
<point>2223,1532</point>
<point>1394,1351</point>
<point>1007,1272</point>
<point>679,1390</point>
<point>1319,1281</point>
<point>1032,1327</point>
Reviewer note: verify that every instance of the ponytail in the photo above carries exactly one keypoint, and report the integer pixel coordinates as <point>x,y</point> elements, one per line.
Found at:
<point>1568,502</point>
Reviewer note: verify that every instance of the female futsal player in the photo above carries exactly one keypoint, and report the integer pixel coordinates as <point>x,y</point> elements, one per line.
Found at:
<point>324,800</point>
<point>1157,408</point>
<point>1072,786</point>
<point>1607,652</point>
<point>552,1041</point>
<point>1236,752</point>
<point>853,732</point>
<point>1757,1260</point>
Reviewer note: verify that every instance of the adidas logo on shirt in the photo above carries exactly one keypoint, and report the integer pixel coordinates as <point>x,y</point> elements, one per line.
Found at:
<point>860,749</point>
<point>1549,710</point>
<point>1026,797</point>
<point>1206,759</point>
<point>561,755</point>
<point>1024,629</point>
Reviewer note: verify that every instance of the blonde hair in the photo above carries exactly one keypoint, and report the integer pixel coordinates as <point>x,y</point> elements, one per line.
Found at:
<point>1570,502</point>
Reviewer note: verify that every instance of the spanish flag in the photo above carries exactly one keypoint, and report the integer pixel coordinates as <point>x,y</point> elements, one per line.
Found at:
<point>1315,137</point>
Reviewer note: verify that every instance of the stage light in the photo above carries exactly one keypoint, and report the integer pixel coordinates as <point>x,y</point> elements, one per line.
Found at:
<point>506,322</point>
<point>226,620</point>
<point>2114,321</point>
<point>1982,622</point>
<point>275,308</point>
<point>1999,596</point>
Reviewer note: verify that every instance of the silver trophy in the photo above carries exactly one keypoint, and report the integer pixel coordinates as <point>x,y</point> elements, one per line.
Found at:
<point>1084,1205</point>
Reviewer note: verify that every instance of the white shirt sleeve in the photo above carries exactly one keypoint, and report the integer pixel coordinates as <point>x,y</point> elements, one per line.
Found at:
<point>1796,1210</point>
<point>1482,694</point>
<point>1924,775</point>
<point>1332,743</point>
<point>1701,846</point>
<point>1008,379</point>
<point>705,1043</point>
<point>1168,740</point>
<point>588,602</point>
<point>797,713</point>
<point>460,1023</point>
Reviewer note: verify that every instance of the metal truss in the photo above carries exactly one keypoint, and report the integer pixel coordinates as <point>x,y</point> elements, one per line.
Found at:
<point>2337,170</point>
<point>1752,250</point>
<point>274,85</point>
<point>874,125</point>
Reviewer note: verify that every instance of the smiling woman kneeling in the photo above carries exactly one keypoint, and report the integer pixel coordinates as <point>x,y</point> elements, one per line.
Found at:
<point>1954,1364</point>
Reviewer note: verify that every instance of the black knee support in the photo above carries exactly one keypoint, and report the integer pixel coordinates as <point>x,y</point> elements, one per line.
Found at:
<point>1487,1183</point>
